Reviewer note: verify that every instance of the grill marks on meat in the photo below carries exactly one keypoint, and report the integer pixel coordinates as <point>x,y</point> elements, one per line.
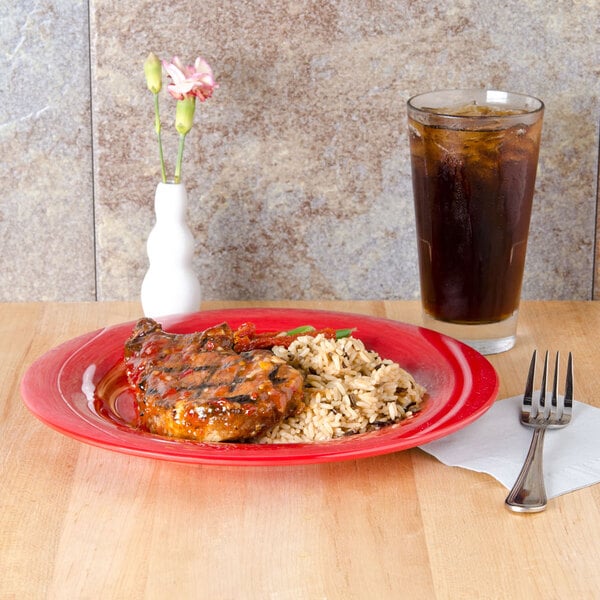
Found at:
<point>195,386</point>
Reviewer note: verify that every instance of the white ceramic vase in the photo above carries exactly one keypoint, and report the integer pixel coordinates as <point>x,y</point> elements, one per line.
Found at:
<point>170,285</point>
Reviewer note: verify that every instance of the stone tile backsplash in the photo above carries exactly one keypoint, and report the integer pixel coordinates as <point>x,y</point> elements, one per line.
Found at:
<point>298,168</point>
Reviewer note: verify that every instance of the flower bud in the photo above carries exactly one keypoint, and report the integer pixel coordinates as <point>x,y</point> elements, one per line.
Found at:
<point>184,114</point>
<point>153,72</point>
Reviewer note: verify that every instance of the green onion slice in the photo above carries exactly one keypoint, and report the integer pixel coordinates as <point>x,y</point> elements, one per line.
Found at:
<point>340,333</point>
<point>301,329</point>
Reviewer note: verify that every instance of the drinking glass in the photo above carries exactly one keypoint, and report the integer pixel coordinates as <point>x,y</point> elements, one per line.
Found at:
<point>474,157</point>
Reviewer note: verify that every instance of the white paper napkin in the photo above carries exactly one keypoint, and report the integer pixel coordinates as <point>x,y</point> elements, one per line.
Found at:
<point>497,444</point>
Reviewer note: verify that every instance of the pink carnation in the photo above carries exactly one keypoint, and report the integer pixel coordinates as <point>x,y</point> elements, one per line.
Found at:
<point>191,80</point>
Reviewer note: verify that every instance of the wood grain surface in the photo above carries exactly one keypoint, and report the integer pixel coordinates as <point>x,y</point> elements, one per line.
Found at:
<point>78,521</point>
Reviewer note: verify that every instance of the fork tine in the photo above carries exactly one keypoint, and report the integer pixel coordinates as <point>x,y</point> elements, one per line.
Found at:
<point>528,394</point>
<point>542,398</point>
<point>569,386</point>
<point>557,406</point>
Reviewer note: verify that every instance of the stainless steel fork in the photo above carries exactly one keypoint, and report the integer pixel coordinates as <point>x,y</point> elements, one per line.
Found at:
<point>529,492</point>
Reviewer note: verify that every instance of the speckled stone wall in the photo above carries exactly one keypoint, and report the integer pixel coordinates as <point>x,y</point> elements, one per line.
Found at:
<point>298,168</point>
<point>46,192</point>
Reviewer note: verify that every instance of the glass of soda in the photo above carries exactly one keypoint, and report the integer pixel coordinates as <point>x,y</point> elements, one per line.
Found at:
<point>474,157</point>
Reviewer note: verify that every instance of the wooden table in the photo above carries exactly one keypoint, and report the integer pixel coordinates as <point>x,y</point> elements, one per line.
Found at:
<point>78,521</point>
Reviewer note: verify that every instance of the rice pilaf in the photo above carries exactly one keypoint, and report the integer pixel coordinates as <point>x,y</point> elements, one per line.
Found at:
<point>347,389</point>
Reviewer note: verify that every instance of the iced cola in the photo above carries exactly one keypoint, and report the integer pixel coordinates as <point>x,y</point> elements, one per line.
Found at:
<point>473,171</point>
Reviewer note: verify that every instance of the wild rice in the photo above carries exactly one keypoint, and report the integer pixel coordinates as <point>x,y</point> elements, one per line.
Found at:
<point>348,389</point>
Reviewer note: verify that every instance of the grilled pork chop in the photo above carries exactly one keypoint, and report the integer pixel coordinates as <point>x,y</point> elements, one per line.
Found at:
<point>195,386</point>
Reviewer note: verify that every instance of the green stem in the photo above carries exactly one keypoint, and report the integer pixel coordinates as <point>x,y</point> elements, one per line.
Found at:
<point>158,128</point>
<point>179,158</point>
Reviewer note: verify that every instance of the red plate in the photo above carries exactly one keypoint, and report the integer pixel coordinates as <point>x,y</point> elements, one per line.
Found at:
<point>59,388</point>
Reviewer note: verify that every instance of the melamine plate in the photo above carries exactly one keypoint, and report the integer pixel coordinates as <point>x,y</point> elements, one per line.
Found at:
<point>79,389</point>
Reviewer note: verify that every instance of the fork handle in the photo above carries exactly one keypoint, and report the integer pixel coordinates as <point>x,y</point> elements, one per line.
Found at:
<point>529,493</point>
